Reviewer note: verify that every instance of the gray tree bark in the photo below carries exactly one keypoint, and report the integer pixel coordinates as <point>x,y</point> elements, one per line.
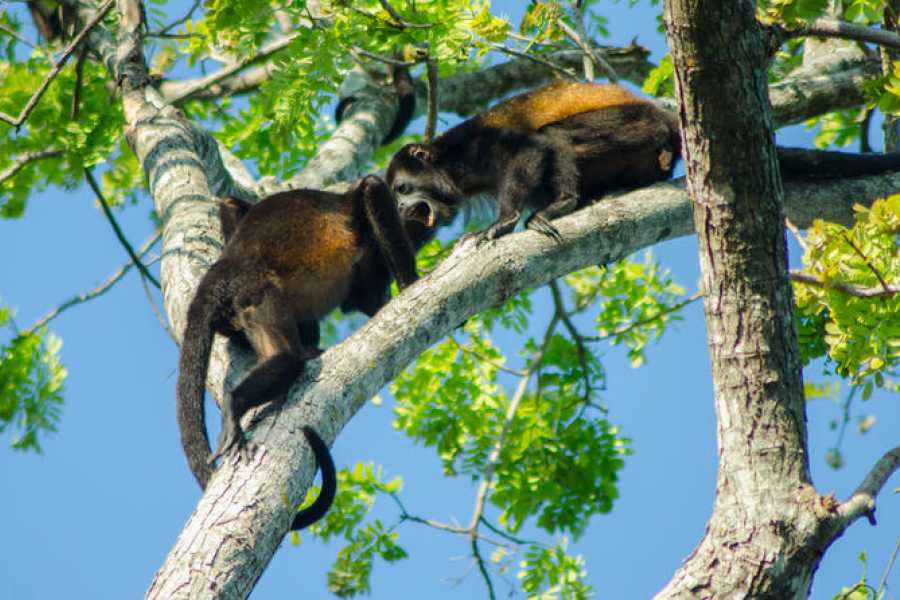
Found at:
<point>769,527</point>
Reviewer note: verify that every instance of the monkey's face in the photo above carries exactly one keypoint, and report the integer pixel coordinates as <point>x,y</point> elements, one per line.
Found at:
<point>423,190</point>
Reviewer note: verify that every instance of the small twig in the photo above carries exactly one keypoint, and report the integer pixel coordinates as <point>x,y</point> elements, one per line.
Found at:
<point>830,28</point>
<point>590,55</point>
<point>869,264</point>
<point>117,230</point>
<point>431,87</point>
<point>847,288</point>
<point>13,33</point>
<point>862,501</point>
<point>639,322</point>
<point>476,553</point>
<point>76,93</point>
<point>887,570</point>
<point>560,308</point>
<point>57,67</point>
<point>864,144</point>
<point>165,30</point>
<point>795,231</point>
<point>156,312</point>
<point>97,291</point>
<point>508,536</point>
<point>481,357</point>
<point>23,159</point>
<point>845,419</point>
<point>383,59</point>
<point>541,61</point>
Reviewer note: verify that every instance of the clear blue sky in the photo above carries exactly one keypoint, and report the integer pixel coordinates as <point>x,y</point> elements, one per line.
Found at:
<point>94,516</point>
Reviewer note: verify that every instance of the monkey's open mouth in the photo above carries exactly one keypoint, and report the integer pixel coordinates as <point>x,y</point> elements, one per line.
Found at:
<point>422,212</point>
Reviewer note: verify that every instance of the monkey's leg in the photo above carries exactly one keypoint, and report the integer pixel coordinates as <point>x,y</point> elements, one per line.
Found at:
<point>309,335</point>
<point>384,219</point>
<point>275,336</point>
<point>560,163</point>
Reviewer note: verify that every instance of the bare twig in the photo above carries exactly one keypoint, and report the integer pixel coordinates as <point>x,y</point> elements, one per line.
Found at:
<point>23,159</point>
<point>13,33</point>
<point>830,28</point>
<point>795,231</point>
<point>476,553</point>
<point>431,86</point>
<point>156,312</point>
<point>165,30</point>
<point>76,93</point>
<point>537,59</point>
<point>97,291</point>
<point>118,230</point>
<point>481,357</point>
<point>862,502</point>
<point>875,271</point>
<point>57,67</point>
<point>887,570</point>
<point>668,310</point>
<point>847,288</point>
<point>591,57</point>
<point>576,336</point>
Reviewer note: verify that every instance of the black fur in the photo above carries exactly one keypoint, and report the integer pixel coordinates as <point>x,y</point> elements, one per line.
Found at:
<point>287,262</point>
<point>561,165</point>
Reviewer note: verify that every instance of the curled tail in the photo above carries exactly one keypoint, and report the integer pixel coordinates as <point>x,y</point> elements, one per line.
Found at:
<point>799,163</point>
<point>195,350</point>
<point>317,509</point>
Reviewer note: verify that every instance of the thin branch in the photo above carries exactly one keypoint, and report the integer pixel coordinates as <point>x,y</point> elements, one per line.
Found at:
<point>97,291</point>
<point>887,570</point>
<point>560,308</point>
<point>399,21</point>
<point>481,357</point>
<point>541,61</point>
<point>795,231</point>
<point>862,502</point>
<point>79,73</point>
<point>831,28</point>
<point>405,515</point>
<point>165,30</point>
<point>23,159</point>
<point>156,312</point>
<point>14,34</point>
<point>876,272</point>
<point>590,55</point>
<point>189,89</point>
<point>57,67</point>
<point>476,553</point>
<point>847,288</point>
<point>117,230</point>
<point>431,87</point>
<point>668,310</point>
<point>509,536</point>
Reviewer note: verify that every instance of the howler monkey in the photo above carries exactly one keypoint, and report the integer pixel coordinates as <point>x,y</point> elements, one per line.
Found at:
<point>554,147</point>
<point>287,262</point>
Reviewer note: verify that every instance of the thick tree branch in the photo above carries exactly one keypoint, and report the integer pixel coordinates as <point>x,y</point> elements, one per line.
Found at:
<point>243,514</point>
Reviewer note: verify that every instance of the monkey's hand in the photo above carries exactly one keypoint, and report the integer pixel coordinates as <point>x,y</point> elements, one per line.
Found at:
<point>539,223</point>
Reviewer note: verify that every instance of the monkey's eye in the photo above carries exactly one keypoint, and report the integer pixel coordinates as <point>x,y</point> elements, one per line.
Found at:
<point>403,189</point>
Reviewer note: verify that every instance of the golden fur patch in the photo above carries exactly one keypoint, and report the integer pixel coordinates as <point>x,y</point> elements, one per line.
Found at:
<point>554,102</point>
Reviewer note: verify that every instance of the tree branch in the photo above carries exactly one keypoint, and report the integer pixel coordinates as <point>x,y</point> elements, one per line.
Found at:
<point>22,160</point>
<point>862,501</point>
<point>57,67</point>
<point>833,28</point>
<point>97,291</point>
<point>847,288</point>
<point>118,230</point>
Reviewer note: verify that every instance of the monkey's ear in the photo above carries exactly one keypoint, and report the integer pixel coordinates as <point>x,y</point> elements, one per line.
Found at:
<point>422,152</point>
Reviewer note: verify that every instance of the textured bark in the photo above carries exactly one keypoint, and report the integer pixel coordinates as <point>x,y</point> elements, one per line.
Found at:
<point>769,526</point>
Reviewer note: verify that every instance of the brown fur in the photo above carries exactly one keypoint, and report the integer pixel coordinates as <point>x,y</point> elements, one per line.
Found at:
<point>554,102</point>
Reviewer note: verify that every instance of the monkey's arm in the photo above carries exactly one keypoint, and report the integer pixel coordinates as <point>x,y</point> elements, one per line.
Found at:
<point>384,219</point>
<point>231,211</point>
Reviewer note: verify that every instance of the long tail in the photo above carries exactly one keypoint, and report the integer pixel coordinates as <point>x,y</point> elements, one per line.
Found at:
<point>317,509</point>
<point>195,350</point>
<point>800,163</point>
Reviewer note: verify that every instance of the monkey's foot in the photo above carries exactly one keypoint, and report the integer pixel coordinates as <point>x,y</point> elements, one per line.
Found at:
<point>540,224</point>
<point>232,435</point>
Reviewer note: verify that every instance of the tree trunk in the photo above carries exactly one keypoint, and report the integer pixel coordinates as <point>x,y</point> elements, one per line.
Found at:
<point>769,527</point>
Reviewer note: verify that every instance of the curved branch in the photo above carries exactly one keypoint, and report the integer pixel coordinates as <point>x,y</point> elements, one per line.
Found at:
<point>241,519</point>
<point>833,28</point>
<point>22,160</point>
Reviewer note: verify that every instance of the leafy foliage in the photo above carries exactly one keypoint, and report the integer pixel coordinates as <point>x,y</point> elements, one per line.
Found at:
<point>858,336</point>
<point>31,385</point>
<point>552,574</point>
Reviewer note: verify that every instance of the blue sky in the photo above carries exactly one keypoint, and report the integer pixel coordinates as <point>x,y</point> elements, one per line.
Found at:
<point>95,514</point>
